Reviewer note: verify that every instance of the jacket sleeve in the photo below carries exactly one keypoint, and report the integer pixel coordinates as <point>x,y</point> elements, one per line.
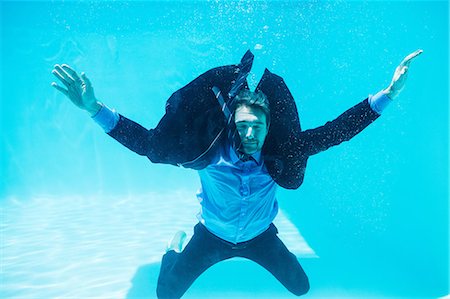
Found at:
<point>132,135</point>
<point>343,128</point>
<point>141,140</point>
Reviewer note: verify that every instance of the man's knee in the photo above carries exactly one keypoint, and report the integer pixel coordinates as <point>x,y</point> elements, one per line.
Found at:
<point>166,292</point>
<point>301,288</point>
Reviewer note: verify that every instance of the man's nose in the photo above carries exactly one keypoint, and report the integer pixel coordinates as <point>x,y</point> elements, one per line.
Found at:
<point>249,134</point>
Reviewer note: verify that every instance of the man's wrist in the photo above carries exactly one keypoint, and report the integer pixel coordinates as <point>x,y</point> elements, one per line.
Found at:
<point>106,118</point>
<point>94,109</point>
<point>379,101</point>
<point>389,93</point>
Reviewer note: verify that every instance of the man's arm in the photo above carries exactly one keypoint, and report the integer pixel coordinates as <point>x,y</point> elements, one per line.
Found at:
<point>354,120</point>
<point>129,133</point>
<point>343,128</point>
<point>81,93</point>
<point>181,137</point>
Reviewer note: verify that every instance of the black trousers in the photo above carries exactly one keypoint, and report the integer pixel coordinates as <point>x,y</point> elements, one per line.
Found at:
<point>179,270</point>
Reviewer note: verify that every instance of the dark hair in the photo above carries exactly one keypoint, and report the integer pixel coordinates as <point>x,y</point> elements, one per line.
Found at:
<point>254,100</point>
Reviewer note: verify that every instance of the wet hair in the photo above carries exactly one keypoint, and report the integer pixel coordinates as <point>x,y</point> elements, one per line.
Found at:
<point>252,99</point>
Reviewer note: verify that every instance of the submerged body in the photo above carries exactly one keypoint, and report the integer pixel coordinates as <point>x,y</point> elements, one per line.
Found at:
<point>238,198</point>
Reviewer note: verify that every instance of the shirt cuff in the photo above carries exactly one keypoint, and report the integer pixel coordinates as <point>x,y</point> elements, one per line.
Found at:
<point>379,102</point>
<point>106,118</point>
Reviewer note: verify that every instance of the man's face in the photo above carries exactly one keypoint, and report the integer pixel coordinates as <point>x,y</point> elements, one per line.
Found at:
<point>251,124</point>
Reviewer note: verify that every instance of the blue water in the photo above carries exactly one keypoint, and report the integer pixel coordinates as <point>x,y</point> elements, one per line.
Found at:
<point>82,217</point>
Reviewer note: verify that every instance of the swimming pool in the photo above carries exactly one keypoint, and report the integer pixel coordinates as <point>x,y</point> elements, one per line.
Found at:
<point>82,217</point>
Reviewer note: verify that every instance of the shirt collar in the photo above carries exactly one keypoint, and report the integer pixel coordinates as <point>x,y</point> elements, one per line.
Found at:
<point>235,158</point>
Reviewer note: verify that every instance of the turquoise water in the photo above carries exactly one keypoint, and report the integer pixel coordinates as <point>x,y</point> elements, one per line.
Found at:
<point>82,217</point>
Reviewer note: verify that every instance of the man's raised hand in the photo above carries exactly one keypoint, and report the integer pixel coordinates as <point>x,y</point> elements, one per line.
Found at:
<point>400,75</point>
<point>78,89</point>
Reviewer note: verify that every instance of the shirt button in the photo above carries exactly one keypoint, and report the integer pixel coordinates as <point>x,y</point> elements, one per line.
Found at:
<point>241,228</point>
<point>243,214</point>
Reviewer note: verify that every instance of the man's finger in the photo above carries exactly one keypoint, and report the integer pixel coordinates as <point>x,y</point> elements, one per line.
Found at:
<point>60,88</point>
<point>61,78</point>
<point>404,70</point>
<point>410,57</point>
<point>86,80</point>
<point>71,72</point>
<point>69,80</point>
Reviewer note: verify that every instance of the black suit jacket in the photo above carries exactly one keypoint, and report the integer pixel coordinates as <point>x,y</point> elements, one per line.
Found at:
<point>194,127</point>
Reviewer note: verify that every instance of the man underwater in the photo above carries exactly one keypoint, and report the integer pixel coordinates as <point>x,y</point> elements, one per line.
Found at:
<point>243,145</point>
